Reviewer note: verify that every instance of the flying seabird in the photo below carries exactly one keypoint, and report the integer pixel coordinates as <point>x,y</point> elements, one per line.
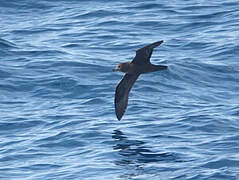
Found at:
<point>139,65</point>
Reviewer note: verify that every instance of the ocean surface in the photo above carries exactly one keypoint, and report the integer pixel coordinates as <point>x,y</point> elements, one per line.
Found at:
<point>57,118</point>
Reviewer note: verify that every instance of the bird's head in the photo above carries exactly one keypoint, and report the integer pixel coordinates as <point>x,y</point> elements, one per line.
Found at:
<point>123,67</point>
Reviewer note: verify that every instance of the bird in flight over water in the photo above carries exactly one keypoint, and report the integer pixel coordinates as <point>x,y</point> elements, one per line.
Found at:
<point>139,65</point>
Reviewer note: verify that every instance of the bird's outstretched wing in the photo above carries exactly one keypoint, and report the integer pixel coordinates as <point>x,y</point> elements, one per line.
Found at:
<point>122,93</point>
<point>143,54</point>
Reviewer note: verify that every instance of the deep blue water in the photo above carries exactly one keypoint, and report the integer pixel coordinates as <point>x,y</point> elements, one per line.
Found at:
<point>57,87</point>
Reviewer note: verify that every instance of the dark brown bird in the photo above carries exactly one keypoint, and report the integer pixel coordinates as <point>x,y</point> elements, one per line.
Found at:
<point>139,65</point>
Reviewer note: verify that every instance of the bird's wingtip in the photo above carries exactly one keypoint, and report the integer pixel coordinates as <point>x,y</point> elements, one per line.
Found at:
<point>155,44</point>
<point>118,117</point>
<point>160,42</point>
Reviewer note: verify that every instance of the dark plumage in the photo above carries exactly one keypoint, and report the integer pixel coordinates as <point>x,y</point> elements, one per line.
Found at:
<point>140,64</point>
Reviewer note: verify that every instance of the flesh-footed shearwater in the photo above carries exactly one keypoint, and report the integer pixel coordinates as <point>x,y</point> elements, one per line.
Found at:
<point>139,65</point>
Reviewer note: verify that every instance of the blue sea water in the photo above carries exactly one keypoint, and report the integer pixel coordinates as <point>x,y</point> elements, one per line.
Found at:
<point>57,118</point>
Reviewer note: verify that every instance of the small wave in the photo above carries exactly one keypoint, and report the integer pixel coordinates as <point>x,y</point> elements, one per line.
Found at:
<point>33,31</point>
<point>4,44</point>
<point>96,14</point>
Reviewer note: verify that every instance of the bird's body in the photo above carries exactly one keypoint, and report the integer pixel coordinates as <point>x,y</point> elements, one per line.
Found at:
<point>139,65</point>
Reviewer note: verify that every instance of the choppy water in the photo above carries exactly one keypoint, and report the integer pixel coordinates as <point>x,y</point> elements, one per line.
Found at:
<point>57,88</point>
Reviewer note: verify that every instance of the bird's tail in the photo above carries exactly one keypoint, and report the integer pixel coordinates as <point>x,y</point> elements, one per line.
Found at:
<point>152,68</point>
<point>160,67</point>
<point>157,67</point>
